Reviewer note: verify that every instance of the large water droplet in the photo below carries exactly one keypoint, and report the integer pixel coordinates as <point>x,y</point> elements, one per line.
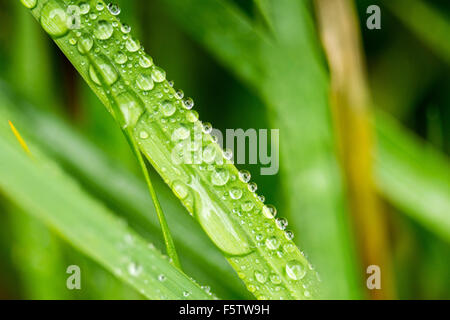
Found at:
<point>272,243</point>
<point>244,176</point>
<point>224,232</point>
<point>168,108</point>
<point>85,44</point>
<point>84,8</point>
<point>114,9</point>
<point>54,19</point>
<point>180,189</point>
<point>220,177</point>
<point>145,82</point>
<point>235,193</point>
<point>30,4</point>
<point>132,45</point>
<point>131,108</point>
<point>260,277</point>
<point>107,72</point>
<point>145,62</point>
<point>120,58</point>
<point>295,270</point>
<point>181,133</point>
<point>104,30</point>
<point>158,74</point>
<point>269,211</point>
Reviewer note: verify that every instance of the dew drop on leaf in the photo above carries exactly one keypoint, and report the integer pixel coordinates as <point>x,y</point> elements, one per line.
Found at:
<point>295,270</point>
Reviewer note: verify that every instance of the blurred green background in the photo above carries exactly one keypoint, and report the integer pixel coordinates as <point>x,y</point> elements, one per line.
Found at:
<point>212,50</point>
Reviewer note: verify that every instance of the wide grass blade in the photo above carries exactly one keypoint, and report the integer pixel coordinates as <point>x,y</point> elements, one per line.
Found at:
<point>40,188</point>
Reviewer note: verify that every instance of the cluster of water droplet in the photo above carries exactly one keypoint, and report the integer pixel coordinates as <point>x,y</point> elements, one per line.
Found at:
<point>166,126</point>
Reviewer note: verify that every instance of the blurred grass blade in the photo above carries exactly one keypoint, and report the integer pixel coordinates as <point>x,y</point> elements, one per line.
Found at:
<point>150,107</point>
<point>351,105</point>
<point>40,188</point>
<point>428,23</point>
<point>413,176</point>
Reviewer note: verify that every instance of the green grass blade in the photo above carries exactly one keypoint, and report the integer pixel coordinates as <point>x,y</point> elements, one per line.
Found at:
<point>151,109</point>
<point>290,78</point>
<point>413,176</point>
<point>40,188</point>
<point>434,26</point>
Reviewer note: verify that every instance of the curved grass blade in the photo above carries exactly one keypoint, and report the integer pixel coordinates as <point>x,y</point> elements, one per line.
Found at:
<point>40,188</point>
<point>161,123</point>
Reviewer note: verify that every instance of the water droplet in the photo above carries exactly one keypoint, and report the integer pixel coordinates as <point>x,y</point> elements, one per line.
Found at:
<point>145,62</point>
<point>269,211</point>
<point>289,247</point>
<point>120,58</point>
<point>188,103</point>
<point>289,235</point>
<point>30,4</point>
<point>207,128</point>
<point>261,198</point>
<point>125,28</point>
<point>209,153</point>
<point>220,177</point>
<point>186,293</point>
<point>131,108</point>
<point>235,193</point>
<point>168,108</point>
<point>181,191</point>
<point>162,278</point>
<point>100,6</point>
<point>260,277</point>
<point>252,187</point>
<point>225,233</point>
<point>158,74</point>
<point>181,133</point>
<point>132,45</point>
<point>179,94</point>
<point>85,44</point>
<point>228,154</point>
<point>84,8</point>
<point>192,116</point>
<point>104,30</point>
<point>244,176</point>
<point>54,19</point>
<point>134,269</point>
<point>295,270</point>
<point>281,223</point>
<point>114,9</point>
<point>275,279</point>
<point>107,72</point>
<point>145,82</point>
<point>247,206</point>
<point>272,243</point>
<point>143,135</point>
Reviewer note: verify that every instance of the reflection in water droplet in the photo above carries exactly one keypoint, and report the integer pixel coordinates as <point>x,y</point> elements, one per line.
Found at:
<point>295,270</point>
<point>104,30</point>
